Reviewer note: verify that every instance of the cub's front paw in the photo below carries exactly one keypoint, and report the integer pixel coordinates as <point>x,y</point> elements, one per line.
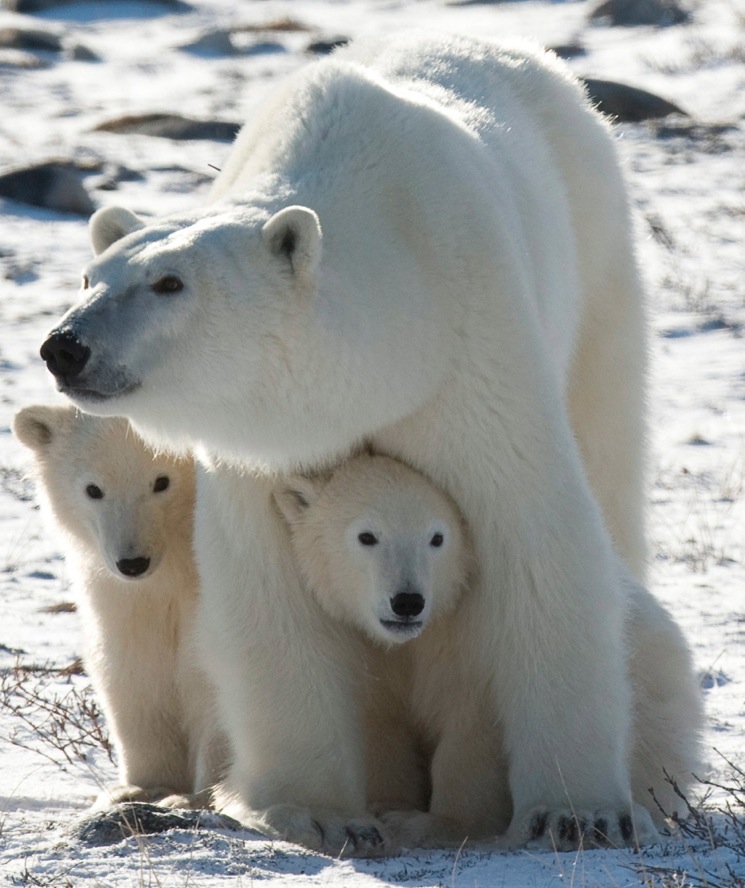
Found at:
<point>196,801</point>
<point>130,792</point>
<point>567,829</point>
<point>418,829</point>
<point>329,832</point>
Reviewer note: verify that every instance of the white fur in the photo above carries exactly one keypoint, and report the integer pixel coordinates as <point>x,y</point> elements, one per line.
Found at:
<point>137,630</point>
<point>469,303</point>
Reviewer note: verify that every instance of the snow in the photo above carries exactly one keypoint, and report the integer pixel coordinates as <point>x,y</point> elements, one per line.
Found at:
<point>689,196</point>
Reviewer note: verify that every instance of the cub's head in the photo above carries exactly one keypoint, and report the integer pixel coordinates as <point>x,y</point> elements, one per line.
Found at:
<point>124,507</point>
<point>379,545</point>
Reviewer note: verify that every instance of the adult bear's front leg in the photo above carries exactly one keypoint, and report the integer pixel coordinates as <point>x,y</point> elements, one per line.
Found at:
<point>287,679</point>
<point>547,637</point>
<point>562,685</point>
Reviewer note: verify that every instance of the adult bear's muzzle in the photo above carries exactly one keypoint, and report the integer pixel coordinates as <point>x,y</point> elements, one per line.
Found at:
<point>65,355</point>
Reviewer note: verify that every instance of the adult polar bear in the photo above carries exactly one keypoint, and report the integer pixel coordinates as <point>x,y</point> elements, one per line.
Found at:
<point>423,244</point>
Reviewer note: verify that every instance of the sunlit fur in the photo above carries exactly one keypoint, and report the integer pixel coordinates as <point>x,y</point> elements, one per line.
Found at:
<point>456,284</point>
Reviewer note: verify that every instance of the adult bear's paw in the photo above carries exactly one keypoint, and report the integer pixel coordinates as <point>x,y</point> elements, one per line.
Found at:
<point>330,832</point>
<point>567,829</point>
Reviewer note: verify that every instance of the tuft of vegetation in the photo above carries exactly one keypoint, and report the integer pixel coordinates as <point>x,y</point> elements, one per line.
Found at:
<point>714,834</point>
<point>55,716</point>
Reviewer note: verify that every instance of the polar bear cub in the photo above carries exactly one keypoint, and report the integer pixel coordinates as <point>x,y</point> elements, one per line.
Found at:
<point>386,552</point>
<point>378,544</point>
<point>127,514</point>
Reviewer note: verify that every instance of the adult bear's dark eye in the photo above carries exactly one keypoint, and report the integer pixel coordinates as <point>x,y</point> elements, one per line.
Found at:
<point>94,491</point>
<point>162,483</point>
<point>168,285</point>
<point>367,538</point>
<point>437,540</point>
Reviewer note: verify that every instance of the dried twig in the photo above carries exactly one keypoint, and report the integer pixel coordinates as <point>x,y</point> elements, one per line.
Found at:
<point>55,717</point>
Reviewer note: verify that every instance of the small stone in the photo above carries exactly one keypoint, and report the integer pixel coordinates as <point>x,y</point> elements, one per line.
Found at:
<point>171,126</point>
<point>324,47</point>
<point>631,13</point>
<point>34,39</point>
<point>628,103</point>
<point>140,819</point>
<point>31,6</point>
<point>569,50</point>
<point>55,185</point>
<point>80,53</point>
<point>211,43</point>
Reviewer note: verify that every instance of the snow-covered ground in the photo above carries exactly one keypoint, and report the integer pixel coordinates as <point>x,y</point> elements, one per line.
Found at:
<point>689,187</point>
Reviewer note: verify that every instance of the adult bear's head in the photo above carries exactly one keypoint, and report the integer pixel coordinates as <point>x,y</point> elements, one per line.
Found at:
<point>248,330</point>
<point>191,312</point>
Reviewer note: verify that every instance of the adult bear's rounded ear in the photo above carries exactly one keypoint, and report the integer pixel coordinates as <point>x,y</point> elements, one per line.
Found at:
<point>37,425</point>
<point>110,224</point>
<point>294,234</point>
<point>294,495</point>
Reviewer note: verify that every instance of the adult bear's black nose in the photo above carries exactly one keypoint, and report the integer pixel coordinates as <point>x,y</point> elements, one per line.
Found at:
<point>407,604</point>
<point>133,567</point>
<point>64,354</point>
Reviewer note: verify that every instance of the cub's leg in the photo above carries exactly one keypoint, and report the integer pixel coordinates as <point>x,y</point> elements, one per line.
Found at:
<point>668,708</point>
<point>288,682</point>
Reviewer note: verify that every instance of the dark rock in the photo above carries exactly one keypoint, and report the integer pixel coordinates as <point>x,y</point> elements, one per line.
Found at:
<point>569,50</point>
<point>120,173</point>
<point>629,13</point>
<point>475,2</point>
<point>31,39</point>
<point>140,819</point>
<point>628,103</point>
<point>24,61</point>
<point>324,47</point>
<point>284,24</point>
<point>30,6</point>
<point>211,43</point>
<point>263,47</point>
<point>690,129</point>
<point>171,126</point>
<point>222,43</point>
<point>16,652</point>
<point>56,185</point>
<point>81,53</point>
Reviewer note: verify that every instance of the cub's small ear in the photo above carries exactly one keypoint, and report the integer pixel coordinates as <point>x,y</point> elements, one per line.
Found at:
<point>37,425</point>
<point>294,495</point>
<point>110,224</point>
<point>294,234</point>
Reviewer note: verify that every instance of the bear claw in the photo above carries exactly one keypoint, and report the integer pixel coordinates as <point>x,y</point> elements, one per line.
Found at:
<point>569,830</point>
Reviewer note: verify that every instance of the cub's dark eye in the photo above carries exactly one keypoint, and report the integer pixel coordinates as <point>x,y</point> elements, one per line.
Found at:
<point>86,282</point>
<point>162,483</point>
<point>168,285</point>
<point>367,538</point>
<point>94,492</point>
<point>437,540</point>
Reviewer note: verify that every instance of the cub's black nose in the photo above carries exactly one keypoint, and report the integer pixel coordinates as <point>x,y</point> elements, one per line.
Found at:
<point>407,604</point>
<point>64,354</point>
<point>133,567</point>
